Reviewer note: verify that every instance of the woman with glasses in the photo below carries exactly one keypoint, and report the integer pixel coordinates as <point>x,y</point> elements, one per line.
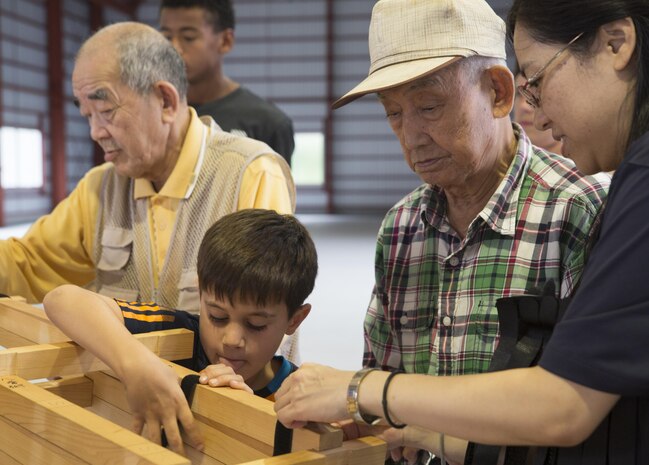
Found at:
<point>523,114</point>
<point>586,64</point>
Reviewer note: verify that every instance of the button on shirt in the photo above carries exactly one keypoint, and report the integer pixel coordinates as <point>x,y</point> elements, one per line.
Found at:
<point>433,309</point>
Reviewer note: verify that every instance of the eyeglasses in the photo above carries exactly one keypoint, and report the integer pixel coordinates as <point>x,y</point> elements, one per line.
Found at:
<point>533,99</point>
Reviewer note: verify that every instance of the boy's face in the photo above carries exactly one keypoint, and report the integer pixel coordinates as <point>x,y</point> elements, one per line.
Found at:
<point>245,336</point>
<point>193,36</point>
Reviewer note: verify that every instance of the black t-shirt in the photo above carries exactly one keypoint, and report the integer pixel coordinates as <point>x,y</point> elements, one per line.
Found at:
<point>603,340</point>
<point>244,113</point>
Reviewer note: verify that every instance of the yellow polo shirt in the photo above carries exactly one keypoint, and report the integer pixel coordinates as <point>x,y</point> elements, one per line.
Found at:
<point>59,247</point>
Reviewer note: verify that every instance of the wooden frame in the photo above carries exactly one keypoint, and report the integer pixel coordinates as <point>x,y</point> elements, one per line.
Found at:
<point>84,417</point>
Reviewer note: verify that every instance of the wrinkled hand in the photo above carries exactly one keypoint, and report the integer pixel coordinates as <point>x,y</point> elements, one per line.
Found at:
<point>407,442</point>
<point>156,400</point>
<point>313,393</point>
<point>223,375</point>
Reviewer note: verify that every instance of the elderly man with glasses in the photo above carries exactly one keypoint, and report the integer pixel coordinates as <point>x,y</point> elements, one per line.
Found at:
<point>495,216</point>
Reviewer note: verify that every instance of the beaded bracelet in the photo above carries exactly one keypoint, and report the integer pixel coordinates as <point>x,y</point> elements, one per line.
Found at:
<point>384,401</point>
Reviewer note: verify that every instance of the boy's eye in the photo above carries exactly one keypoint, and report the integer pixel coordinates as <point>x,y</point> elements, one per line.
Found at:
<point>217,320</point>
<point>256,327</point>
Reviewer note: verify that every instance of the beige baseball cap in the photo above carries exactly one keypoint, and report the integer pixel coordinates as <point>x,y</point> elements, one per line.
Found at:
<point>411,38</point>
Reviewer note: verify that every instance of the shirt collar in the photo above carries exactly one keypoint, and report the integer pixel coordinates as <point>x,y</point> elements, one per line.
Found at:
<point>180,181</point>
<point>501,210</point>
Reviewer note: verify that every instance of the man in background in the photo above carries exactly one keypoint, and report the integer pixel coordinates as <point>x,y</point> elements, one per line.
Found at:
<point>202,31</point>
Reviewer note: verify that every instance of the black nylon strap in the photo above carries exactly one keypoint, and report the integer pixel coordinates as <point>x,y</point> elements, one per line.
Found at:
<point>526,323</point>
<point>188,385</point>
<point>283,440</point>
<point>283,436</point>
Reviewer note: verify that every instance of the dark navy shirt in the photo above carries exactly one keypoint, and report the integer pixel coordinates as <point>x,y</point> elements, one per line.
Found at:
<point>603,340</point>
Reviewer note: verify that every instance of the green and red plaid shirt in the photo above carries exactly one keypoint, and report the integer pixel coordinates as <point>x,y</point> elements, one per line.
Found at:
<point>433,306</point>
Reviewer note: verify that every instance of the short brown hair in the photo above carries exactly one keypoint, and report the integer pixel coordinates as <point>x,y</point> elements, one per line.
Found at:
<point>220,12</point>
<point>258,256</point>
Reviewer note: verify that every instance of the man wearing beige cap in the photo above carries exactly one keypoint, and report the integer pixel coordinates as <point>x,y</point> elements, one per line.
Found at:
<point>495,216</point>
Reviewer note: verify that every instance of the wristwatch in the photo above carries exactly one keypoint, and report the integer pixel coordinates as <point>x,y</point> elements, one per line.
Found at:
<point>352,399</point>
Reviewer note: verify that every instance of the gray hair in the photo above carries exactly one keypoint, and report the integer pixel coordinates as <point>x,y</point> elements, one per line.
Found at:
<point>474,65</point>
<point>146,57</point>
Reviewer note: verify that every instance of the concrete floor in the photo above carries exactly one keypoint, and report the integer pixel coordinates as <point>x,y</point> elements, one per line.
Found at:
<point>333,332</point>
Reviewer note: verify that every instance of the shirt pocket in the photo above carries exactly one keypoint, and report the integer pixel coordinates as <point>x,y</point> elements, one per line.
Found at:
<point>188,295</point>
<point>413,325</point>
<point>482,333</point>
<point>116,247</point>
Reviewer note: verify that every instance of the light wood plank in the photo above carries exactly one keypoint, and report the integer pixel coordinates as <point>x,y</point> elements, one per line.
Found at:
<point>75,389</point>
<point>68,358</point>
<point>303,457</point>
<point>29,322</point>
<point>110,389</point>
<point>87,436</point>
<point>9,339</point>
<point>116,415</point>
<point>363,451</point>
<point>255,417</point>
<point>28,448</point>
<point>222,443</point>
<point>7,460</point>
<point>110,412</point>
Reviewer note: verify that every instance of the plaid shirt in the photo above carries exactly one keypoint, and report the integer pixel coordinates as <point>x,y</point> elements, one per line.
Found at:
<point>433,306</point>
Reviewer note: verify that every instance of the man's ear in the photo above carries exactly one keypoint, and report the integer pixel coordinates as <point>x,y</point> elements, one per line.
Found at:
<point>298,317</point>
<point>501,83</point>
<point>620,39</point>
<point>169,100</point>
<point>226,44</point>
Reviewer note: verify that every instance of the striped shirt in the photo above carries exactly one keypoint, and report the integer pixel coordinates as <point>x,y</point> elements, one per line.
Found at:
<point>145,317</point>
<point>433,306</point>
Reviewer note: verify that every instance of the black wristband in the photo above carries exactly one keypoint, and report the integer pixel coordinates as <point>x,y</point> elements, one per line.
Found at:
<point>384,400</point>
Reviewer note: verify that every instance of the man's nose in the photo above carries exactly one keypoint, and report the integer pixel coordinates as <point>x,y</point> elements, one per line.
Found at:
<point>97,129</point>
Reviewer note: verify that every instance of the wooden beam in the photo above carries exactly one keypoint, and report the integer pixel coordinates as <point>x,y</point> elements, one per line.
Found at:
<point>9,339</point>
<point>303,457</point>
<point>83,434</point>
<point>68,358</point>
<point>124,419</point>
<point>8,460</point>
<point>363,451</point>
<point>75,389</point>
<point>221,443</point>
<point>231,420</point>
<point>28,448</point>
<point>28,322</point>
<point>255,417</point>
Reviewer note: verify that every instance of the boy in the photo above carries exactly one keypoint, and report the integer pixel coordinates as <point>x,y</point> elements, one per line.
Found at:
<point>202,31</point>
<point>255,269</point>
